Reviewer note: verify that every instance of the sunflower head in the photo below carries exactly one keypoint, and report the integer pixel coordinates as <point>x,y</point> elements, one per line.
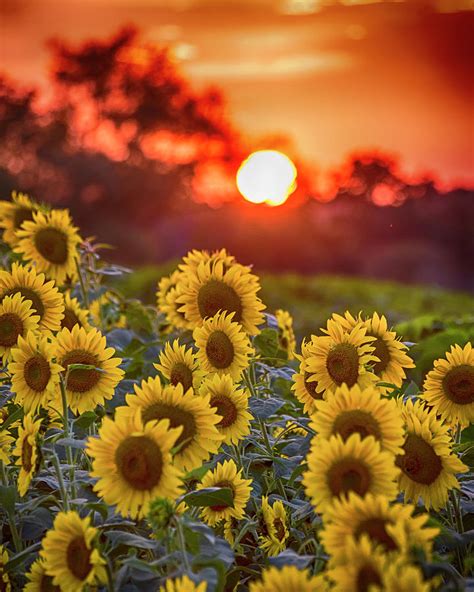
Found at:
<point>13,213</point>
<point>17,318</point>
<point>275,527</point>
<point>179,365</point>
<point>304,383</point>
<point>183,584</point>
<point>286,335</point>
<point>74,314</point>
<point>4,577</point>
<point>39,580</point>
<point>28,452</point>
<point>288,579</point>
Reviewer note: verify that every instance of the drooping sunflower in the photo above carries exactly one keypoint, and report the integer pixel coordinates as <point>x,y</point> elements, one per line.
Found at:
<point>132,461</point>
<point>74,314</point>
<point>5,584</point>
<point>276,533</point>
<point>364,411</point>
<point>183,584</point>
<point>169,289</point>
<point>288,579</point>
<point>231,403</point>
<point>86,388</point>
<point>449,387</point>
<point>6,441</point>
<point>392,527</point>
<point>51,242</point>
<point>211,288</point>
<point>179,365</point>
<point>39,580</point>
<point>226,475</point>
<point>428,464</point>
<point>199,437</point>
<point>304,383</point>
<point>28,452</point>
<point>17,318</point>
<point>46,300</point>
<point>223,347</point>
<point>70,553</point>
<point>341,357</point>
<point>286,335</point>
<point>337,467</point>
<point>13,213</point>
<point>35,376</point>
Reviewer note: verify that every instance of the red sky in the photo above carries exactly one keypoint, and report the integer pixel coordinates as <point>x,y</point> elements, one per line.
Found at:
<point>334,76</point>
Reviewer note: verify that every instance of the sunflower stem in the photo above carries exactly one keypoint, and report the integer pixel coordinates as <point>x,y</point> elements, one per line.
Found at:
<point>110,578</point>
<point>182,543</point>
<point>63,382</point>
<point>238,457</point>
<point>85,295</point>
<point>62,487</point>
<point>269,448</point>
<point>14,533</point>
<point>3,474</point>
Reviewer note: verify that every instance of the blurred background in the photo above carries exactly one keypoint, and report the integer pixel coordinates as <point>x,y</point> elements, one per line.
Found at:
<point>138,114</point>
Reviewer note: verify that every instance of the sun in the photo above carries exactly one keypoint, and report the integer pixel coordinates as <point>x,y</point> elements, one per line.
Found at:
<point>266,176</point>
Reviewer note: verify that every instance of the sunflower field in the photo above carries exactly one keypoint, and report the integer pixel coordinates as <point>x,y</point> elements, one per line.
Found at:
<point>195,445</point>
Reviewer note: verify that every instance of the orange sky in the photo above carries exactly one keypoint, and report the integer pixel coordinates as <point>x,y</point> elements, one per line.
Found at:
<point>333,76</point>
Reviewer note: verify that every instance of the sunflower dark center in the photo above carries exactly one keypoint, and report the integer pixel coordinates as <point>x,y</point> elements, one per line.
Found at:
<point>11,327</point>
<point>310,386</point>
<point>229,485</point>
<point>349,475</point>
<point>367,576</point>
<point>52,244</point>
<point>26,456</point>
<point>181,374</point>
<point>177,416</point>
<point>279,528</point>
<point>37,305</point>
<point>420,462</point>
<point>219,350</point>
<point>46,584</point>
<point>21,215</point>
<point>37,373</point>
<point>225,408</point>
<point>458,384</point>
<point>383,354</point>
<point>70,319</point>
<point>375,528</point>
<point>342,363</point>
<point>356,421</point>
<point>140,462</point>
<point>78,558</point>
<point>214,296</point>
<point>81,380</point>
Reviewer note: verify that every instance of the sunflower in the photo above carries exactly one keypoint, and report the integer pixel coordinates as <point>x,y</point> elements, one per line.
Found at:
<point>402,577</point>
<point>223,347</point>
<point>289,430</point>
<point>336,467</point>
<point>428,465</point>
<point>13,213</point>
<point>46,301</point>
<point>86,388</point>
<point>183,584</point>
<point>231,403</point>
<point>5,585</point>
<point>193,258</point>
<point>226,475</point>
<point>211,288</point>
<point>449,387</point>
<point>276,533</point>
<point>169,289</point>
<point>392,527</point>
<point>6,441</point>
<point>74,314</point>
<point>349,410</point>
<point>35,376</point>
<point>132,461</point>
<point>288,579</point>
<point>51,242</point>
<point>199,437</point>
<point>28,452</point>
<point>340,357</point>
<point>179,365</point>
<point>286,335</point>
<point>304,384</point>
<point>70,553</point>
<point>38,579</point>
<point>17,318</point>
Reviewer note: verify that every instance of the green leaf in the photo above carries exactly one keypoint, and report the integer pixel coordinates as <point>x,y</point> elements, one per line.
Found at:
<point>85,420</point>
<point>8,498</point>
<point>11,419</point>
<point>209,496</point>
<point>19,558</point>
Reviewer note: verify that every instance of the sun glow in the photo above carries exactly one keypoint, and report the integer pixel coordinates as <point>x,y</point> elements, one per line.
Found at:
<point>266,176</point>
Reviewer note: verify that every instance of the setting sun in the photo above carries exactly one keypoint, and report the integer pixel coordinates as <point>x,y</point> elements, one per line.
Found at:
<point>267,176</point>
